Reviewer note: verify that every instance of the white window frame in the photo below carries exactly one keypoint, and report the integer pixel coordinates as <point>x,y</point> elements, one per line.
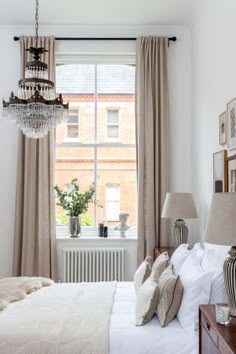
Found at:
<point>67,138</point>
<point>112,124</point>
<point>94,58</point>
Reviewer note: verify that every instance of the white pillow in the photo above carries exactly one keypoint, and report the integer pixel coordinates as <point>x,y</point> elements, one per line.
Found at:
<point>146,302</point>
<point>221,252</point>
<point>142,273</point>
<point>210,263</point>
<point>179,256</point>
<point>197,287</point>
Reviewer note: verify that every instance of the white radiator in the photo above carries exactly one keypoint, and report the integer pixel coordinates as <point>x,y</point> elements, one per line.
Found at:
<point>93,264</point>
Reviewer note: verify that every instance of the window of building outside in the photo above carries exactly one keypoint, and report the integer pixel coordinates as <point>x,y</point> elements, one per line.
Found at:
<point>97,143</point>
<point>112,123</point>
<point>72,131</point>
<point>112,201</point>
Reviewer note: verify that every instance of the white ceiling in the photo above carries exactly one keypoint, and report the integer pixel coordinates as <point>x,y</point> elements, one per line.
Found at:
<point>96,12</point>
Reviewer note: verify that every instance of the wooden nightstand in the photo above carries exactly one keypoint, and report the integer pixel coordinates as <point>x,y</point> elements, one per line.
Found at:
<point>159,250</point>
<point>215,338</point>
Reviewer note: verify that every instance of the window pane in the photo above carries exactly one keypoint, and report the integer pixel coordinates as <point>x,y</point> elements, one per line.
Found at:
<point>72,131</point>
<point>73,116</point>
<point>112,116</point>
<point>113,131</point>
<point>76,82</point>
<point>116,88</point>
<point>116,167</point>
<point>75,162</point>
<point>113,192</point>
<point>113,210</point>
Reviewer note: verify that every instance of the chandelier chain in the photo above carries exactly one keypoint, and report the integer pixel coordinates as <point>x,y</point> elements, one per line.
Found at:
<point>37,19</point>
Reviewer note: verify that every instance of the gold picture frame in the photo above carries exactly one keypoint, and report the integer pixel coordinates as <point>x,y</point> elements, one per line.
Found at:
<point>232,174</point>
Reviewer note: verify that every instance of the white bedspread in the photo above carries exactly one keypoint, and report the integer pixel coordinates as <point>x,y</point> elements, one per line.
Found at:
<point>125,338</point>
<point>61,319</point>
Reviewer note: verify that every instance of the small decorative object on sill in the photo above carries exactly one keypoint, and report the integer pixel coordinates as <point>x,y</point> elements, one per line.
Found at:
<point>36,110</point>
<point>75,228</point>
<point>75,204</point>
<point>122,226</point>
<point>101,230</point>
<point>105,231</point>
<point>220,230</point>
<point>179,206</point>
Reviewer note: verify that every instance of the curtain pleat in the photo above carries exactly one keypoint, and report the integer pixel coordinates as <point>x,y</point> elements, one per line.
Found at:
<point>152,139</point>
<point>34,243</point>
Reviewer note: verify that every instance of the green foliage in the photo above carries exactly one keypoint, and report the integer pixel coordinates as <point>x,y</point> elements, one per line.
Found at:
<point>85,219</point>
<point>72,201</point>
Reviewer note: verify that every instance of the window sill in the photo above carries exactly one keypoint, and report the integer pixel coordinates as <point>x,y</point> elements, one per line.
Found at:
<point>91,233</point>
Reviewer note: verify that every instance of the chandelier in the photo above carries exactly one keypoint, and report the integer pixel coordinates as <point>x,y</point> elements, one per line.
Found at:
<point>36,110</point>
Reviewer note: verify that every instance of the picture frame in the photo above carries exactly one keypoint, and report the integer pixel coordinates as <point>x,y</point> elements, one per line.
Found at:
<point>220,172</point>
<point>231,124</point>
<point>232,174</point>
<point>223,128</point>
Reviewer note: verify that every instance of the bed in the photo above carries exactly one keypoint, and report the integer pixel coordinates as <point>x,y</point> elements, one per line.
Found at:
<point>48,322</point>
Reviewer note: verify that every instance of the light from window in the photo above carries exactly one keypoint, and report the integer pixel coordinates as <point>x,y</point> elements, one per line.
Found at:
<point>112,202</point>
<point>113,123</point>
<point>105,153</point>
<point>73,124</point>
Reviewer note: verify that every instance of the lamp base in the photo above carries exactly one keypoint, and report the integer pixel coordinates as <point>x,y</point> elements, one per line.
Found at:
<point>230,279</point>
<point>180,232</point>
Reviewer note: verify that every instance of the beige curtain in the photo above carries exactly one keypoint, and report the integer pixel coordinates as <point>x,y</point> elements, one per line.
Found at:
<point>34,244</point>
<point>152,137</point>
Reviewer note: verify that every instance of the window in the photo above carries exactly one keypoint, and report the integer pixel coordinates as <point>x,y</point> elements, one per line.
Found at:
<point>112,123</point>
<point>72,130</point>
<point>104,94</point>
<point>112,202</point>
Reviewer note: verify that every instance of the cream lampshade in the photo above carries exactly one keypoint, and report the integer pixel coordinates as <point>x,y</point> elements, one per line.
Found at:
<point>179,206</point>
<point>221,230</point>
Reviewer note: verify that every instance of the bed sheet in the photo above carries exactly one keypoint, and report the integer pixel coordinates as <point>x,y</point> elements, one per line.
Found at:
<point>126,338</point>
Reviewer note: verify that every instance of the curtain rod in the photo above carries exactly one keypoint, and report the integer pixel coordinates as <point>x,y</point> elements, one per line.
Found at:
<point>173,39</point>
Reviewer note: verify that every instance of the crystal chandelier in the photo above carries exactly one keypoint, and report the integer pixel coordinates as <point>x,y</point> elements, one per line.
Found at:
<point>36,110</point>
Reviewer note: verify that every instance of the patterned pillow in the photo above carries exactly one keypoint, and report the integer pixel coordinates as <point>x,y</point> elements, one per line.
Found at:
<point>160,264</point>
<point>146,302</point>
<point>170,296</point>
<point>142,273</point>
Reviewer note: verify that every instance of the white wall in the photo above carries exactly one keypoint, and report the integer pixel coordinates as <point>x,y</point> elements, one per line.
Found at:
<point>214,84</point>
<point>180,108</point>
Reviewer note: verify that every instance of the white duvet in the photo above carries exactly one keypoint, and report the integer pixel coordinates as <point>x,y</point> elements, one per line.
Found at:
<point>49,321</point>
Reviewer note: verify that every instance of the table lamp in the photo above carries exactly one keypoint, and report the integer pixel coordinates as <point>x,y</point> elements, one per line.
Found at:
<point>179,206</point>
<point>221,230</point>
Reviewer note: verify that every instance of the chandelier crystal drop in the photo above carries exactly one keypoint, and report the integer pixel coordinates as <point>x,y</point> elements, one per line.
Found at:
<point>36,110</point>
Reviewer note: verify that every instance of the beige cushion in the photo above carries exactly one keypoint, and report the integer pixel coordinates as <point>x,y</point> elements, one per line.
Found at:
<point>170,296</point>
<point>146,302</point>
<point>142,273</point>
<point>160,264</point>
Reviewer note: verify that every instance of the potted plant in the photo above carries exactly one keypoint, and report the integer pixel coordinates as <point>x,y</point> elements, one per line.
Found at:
<point>74,204</point>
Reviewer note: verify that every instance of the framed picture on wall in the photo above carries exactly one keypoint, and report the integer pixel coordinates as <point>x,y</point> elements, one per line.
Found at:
<point>220,172</point>
<point>222,128</point>
<point>231,124</point>
<point>232,173</point>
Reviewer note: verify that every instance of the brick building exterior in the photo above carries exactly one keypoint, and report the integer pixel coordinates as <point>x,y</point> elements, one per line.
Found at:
<point>111,140</point>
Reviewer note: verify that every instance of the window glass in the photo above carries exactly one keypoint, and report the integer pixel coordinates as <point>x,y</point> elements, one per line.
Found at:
<point>97,143</point>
